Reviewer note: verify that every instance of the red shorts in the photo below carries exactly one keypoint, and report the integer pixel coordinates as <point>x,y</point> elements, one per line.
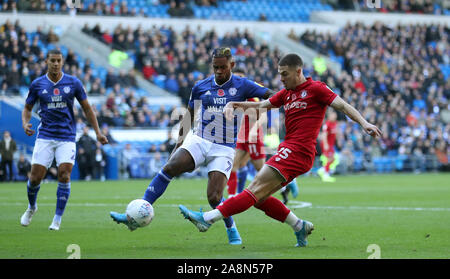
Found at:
<point>256,150</point>
<point>291,161</point>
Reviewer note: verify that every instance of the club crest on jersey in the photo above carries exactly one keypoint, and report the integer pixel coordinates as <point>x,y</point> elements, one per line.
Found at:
<point>304,94</point>
<point>66,89</point>
<point>55,91</point>
<point>220,93</point>
<point>232,91</point>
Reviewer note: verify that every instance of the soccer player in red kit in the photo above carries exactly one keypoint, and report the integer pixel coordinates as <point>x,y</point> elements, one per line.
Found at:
<point>305,102</point>
<point>249,146</point>
<point>327,145</point>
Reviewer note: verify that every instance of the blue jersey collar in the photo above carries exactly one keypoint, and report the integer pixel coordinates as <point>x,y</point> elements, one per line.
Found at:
<point>214,79</point>
<point>54,83</point>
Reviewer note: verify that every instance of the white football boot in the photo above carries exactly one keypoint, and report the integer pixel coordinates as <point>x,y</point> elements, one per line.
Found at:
<point>25,220</point>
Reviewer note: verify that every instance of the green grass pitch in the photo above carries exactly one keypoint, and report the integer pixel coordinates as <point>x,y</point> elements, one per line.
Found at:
<point>406,216</point>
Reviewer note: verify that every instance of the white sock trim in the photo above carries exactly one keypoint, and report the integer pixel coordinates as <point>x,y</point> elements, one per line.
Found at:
<point>212,216</point>
<point>295,222</point>
<point>57,218</point>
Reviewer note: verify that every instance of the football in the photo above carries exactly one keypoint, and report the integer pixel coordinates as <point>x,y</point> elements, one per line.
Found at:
<point>139,213</point>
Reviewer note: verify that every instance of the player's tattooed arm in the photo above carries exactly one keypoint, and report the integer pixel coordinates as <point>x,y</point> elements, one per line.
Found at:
<point>269,93</point>
<point>229,109</point>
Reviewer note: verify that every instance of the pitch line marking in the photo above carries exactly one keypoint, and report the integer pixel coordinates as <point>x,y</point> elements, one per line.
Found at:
<point>299,204</point>
<point>293,205</point>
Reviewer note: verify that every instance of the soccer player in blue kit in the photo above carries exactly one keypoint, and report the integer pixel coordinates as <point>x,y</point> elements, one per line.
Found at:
<point>55,92</point>
<point>212,142</point>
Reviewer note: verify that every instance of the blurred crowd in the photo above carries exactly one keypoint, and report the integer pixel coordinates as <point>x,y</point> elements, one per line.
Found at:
<point>394,6</point>
<point>177,8</point>
<point>22,59</point>
<point>181,8</point>
<point>183,58</point>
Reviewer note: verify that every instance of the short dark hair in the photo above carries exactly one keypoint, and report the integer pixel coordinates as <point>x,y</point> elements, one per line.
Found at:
<point>291,60</point>
<point>54,51</point>
<point>222,52</point>
<point>238,70</point>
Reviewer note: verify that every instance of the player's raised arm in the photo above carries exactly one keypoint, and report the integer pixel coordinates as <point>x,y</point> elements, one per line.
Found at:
<point>231,106</point>
<point>93,121</point>
<point>339,104</point>
<point>26,116</point>
<point>269,93</point>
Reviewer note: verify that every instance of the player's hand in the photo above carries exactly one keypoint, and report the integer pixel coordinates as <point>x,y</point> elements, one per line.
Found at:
<point>372,130</point>
<point>102,139</point>
<point>228,110</point>
<point>28,130</point>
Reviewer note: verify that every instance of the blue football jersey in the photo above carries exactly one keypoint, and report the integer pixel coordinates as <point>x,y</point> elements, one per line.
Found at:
<point>210,99</point>
<point>56,102</point>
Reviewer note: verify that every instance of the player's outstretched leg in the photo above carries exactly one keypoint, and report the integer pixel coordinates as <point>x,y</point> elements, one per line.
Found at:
<point>32,191</point>
<point>154,190</point>
<point>303,233</point>
<point>121,218</point>
<point>195,217</point>
<point>180,162</point>
<point>275,209</point>
<point>231,206</point>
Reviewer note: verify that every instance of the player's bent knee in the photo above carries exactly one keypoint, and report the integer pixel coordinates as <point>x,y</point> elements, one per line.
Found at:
<point>173,169</point>
<point>64,177</point>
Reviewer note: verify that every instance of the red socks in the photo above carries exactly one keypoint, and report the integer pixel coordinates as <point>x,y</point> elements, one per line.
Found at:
<point>232,183</point>
<point>237,204</point>
<point>273,207</point>
<point>327,166</point>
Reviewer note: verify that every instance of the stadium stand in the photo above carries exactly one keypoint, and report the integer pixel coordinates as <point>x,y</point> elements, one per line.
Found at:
<point>270,10</point>
<point>407,98</point>
<point>396,6</point>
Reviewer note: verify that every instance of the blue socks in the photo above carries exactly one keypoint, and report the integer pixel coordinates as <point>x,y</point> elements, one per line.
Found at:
<point>157,187</point>
<point>32,192</point>
<point>62,196</point>
<point>242,178</point>
<point>229,222</point>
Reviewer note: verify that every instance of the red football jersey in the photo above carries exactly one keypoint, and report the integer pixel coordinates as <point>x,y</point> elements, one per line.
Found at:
<point>304,112</point>
<point>330,128</point>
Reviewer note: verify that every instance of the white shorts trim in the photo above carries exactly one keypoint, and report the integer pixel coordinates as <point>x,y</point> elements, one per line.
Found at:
<point>214,156</point>
<point>45,151</point>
